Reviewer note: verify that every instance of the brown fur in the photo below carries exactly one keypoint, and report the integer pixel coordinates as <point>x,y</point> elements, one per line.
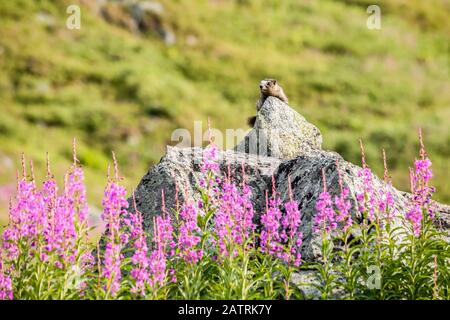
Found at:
<point>268,88</point>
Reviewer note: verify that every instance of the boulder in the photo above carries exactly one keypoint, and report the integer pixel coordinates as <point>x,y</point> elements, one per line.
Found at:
<point>178,174</point>
<point>280,132</point>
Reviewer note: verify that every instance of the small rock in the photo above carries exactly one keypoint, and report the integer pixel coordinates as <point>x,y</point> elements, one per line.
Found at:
<point>307,283</point>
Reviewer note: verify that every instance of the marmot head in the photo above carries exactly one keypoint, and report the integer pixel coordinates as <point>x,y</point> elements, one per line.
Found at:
<point>267,86</point>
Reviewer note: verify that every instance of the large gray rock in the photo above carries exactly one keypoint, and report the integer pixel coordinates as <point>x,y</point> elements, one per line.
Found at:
<point>280,132</point>
<point>297,156</point>
<point>180,169</point>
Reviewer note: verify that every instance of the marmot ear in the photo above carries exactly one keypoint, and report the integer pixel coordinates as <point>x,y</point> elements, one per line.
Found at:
<point>274,81</point>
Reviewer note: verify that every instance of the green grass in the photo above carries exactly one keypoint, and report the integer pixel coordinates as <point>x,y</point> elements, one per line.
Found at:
<point>116,90</point>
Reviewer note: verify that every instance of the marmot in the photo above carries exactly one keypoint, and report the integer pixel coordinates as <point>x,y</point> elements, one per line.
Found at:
<point>268,87</point>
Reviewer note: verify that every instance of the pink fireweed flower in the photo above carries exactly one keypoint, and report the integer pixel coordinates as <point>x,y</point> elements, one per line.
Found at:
<point>111,269</point>
<point>64,223</point>
<point>325,220</point>
<point>421,194</point>
<point>367,199</point>
<point>66,216</point>
<point>140,260</point>
<point>114,209</point>
<point>66,219</point>
<point>209,161</point>
<point>342,203</point>
<point>280,235</point>
<point>173,275</point>
<point>6,289</point>
<point>189,231</point>
<point>158,265</point>
<point>291,234</point>
<point>270,239</point>
<point>234,216</point>
<point>164,237</point>
<point>50,194</point>
<point>210,155</point>
<point>76,192</point>
<point>421,190</point>
<point>414,214</point>
<point>63,235</point>
<point>163,247</point>
<point>386,204</point>
<point>209,180</point>
<point>26,213</point>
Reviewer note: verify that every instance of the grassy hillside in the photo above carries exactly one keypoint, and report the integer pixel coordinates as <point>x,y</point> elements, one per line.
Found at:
<point>116,88</point>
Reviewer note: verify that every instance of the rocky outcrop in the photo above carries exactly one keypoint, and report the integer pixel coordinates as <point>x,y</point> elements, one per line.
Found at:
<point>287,146</point>
<point>280,132</point>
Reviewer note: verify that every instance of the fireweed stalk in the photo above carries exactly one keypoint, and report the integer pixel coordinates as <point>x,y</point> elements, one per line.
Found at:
<point>343,217</point>
<point>140,260</point>
<point>188,252</point>
<point>269,239</point>
<point>281,237</point>
<point>292,238</point>
<point>367,202</point>
<point>114,209</point>
<point>194,226</point>
<point>420,207</point>
<point>324,224</point>
<point>189,234</point>
<point>233,234</point>
<point>163,248</point>
<point>420,215</point>
<point>343,204</point>
<point>367,198</point>
<point>78,254</point>
<point>386,203</point>
<point>233,220</point>
<point>149,265</point>
<point>385,236</point>
<point>6,289</point>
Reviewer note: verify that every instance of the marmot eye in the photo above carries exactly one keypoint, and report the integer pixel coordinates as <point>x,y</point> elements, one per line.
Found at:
<point>260,86</point>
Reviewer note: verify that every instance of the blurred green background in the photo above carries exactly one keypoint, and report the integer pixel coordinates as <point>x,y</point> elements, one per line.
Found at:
<point>136,70</point>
